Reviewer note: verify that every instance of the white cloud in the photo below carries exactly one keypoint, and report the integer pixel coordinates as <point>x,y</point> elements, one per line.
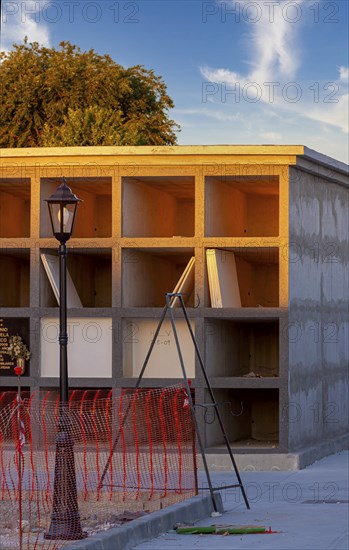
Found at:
<point>272,42</point>
<point>217,115</point>
<point>271,136</point>
<point>336,114</point>
<point>274,61</point>
<point>344,74</point>
<point>241,120</point>
<point>20,19</point>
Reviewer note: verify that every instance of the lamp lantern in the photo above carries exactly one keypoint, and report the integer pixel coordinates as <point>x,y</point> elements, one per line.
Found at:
<point>63,205</point>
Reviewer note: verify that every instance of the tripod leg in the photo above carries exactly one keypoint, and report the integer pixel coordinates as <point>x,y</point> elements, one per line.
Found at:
<point>209,387</point>
<point>168,297</point>
<point>117,437</point>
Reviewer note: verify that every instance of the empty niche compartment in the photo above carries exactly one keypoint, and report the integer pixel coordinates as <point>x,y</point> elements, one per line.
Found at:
<point>88,279</point>
<point>257,271</point>
<point>148,274</point>
<point>164,361</point>
<point>14,207</point>
<point>14,278</point>
<point>241,206</point>
<point>250,418</point>
<point>242,348</point>
<point>158,206</point>
<point>94,215</point>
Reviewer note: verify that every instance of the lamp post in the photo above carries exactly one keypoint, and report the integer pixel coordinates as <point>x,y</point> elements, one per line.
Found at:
<point>65,518</point>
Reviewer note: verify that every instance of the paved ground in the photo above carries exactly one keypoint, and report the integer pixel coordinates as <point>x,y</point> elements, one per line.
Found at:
<point>309,507</point>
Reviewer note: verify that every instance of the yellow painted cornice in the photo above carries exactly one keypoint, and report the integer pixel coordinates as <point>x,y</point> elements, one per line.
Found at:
<point>177,150</point>
<point>180,155</point>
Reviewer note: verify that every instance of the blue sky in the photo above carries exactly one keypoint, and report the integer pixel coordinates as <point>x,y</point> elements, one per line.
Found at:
<point>240,72</point>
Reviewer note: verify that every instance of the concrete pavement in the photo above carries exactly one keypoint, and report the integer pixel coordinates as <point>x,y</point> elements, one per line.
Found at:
<point>308,507</point>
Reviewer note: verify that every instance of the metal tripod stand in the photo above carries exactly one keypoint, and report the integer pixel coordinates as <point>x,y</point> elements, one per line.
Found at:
<point>169,309</point>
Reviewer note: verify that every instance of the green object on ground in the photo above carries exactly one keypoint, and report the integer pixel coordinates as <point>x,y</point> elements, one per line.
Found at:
<point>220,530</point>
<point>211,530</point>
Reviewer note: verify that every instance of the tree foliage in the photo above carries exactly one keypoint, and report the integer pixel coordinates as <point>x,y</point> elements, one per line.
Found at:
<point>53,97</point>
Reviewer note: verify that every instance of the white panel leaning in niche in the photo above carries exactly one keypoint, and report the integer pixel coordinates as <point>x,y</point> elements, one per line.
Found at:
<point>222,278</point>
<point>185,284</point>
<point>51,265</point>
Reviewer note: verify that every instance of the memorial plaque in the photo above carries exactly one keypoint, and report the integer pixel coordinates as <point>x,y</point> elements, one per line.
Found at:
<point>10,326</point>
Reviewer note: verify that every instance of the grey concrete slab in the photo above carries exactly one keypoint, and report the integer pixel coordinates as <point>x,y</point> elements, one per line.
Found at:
<point>309,508</point>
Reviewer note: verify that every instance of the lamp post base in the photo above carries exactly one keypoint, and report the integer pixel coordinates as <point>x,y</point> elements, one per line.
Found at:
<point>65,518</point>
<point>65,527</point>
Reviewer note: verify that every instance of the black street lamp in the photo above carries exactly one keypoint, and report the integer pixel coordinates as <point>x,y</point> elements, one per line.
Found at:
<point>65,518</point>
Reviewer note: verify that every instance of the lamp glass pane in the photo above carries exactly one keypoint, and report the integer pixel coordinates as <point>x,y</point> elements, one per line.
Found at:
<point>67,212</point>
<point>62,217</point>
<point>54,215</point>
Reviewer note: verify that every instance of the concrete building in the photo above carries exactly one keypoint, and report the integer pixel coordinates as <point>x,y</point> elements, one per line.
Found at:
<point>278,361</point>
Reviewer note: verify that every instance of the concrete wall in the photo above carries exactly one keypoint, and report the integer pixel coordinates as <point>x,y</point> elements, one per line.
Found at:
<point>318,309</point>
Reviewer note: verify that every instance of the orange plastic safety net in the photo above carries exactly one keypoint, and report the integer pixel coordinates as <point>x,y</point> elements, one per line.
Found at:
<point>69,472</point>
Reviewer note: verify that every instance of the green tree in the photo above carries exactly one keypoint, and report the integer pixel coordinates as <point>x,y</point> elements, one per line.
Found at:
<point>64,96</point>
